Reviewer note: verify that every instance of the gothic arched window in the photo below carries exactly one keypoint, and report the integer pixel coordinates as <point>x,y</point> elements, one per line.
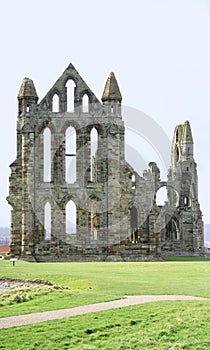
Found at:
<point>71,217</point>
<point>93,150</point>
<point>70,85</point>
<point>55,103</point>
<point>47,221</point>
<point>85,104</point>
<point>133,182</point>
<point>177,154</point>
<point>47,154</point>
<point>70,144</point>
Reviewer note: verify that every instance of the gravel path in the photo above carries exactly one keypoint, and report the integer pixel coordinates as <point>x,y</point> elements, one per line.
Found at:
<point>37,317</point>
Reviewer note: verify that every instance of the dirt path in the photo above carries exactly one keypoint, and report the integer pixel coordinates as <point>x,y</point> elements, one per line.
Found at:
<point>37,317</point>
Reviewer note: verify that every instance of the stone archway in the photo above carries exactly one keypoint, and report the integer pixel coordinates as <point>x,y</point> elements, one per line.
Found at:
<point>172,231</point>
<point>171,195</point>
<point>134,224</point>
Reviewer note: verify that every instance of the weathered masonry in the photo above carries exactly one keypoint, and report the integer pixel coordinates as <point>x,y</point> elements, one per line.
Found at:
<point>73,195</point>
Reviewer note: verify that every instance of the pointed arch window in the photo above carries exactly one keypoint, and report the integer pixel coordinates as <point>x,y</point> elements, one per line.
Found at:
<point>93,150</point>
<point>70,86</point>
<point>55,103</point>
<point>71,218</point>
<point>177,154</point>
<point>172,232</point>
<point>85,104</point>
<point>47,154</point>
<point>47,221</point>
<point>133,182</point>
<point>70,142</point>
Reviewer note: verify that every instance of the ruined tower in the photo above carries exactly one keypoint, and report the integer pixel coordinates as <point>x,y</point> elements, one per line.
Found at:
<point>183,177</point>
<point>73,195</point>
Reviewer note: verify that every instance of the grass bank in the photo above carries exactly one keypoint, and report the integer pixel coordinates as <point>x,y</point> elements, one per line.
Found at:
<point>158,325</point>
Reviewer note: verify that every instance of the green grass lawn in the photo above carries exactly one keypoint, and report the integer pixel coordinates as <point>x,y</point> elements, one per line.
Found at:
<point>159,325</point>
<point>97,282</point>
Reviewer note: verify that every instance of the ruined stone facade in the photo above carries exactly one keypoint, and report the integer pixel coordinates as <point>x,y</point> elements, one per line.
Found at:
<point>74,199</point>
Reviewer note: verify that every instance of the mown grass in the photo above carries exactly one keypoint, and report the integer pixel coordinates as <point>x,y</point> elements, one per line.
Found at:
<point>96,282</point>
<point>185,258</point>
<point>158,325</point>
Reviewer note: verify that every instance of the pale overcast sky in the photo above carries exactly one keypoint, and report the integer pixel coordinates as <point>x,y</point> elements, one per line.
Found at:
<point>158,49</point>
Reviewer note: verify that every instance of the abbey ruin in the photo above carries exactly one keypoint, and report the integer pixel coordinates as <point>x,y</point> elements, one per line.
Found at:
<point>73,199</point>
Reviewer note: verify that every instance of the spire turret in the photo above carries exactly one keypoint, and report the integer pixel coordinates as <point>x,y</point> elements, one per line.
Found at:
<point>27,95</point>
<point>27,89</point>
<point>187,134</point>
<point>187,142</point>
<point>111,90</point>
<point>182,146</point>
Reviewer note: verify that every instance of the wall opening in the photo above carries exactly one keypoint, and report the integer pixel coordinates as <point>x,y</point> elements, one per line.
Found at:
<point>177,155</point>
<point>47,221</point>
<point>133,182</point>
<point>55,103</point>
<point>94,224</point>
<point>177,136</point>
<point>93,150</point>
<point>27,108</point>
<point>85,104</point>
<point>186,201</point>
<point>176,235</point>
<point>172,232</point>
<point>71,218</point>
<point>47,154</point>
<point>161,196</point>
<point>134,224</point>
<point>70,85</point>
<point>70,161</point>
